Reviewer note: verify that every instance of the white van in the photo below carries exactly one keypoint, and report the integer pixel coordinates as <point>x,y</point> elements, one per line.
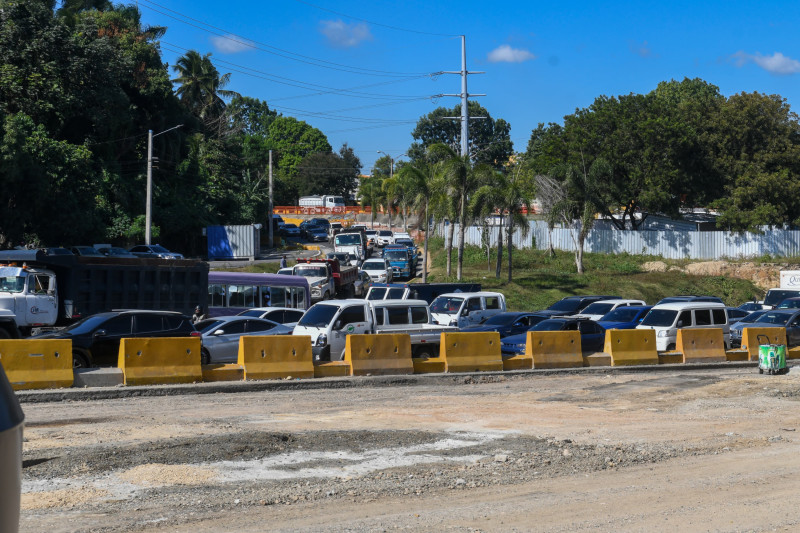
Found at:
<point>466,308</point>
<point>328,323</point>
<point>667,319</point>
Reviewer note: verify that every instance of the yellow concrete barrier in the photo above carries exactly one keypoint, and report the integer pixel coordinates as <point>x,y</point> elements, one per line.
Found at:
<point>276,356</point>
<point>554,349</point>
<point>158,361</point>
<point>37,364</point>
<point>631,347</point>
<point>382,354</point>
<point>750,340</point>
<point>222,372</point>
<point>701,345</point>
<point>331,369</point>
<point>520,361</point>
<point>471,352</point>
<point>433,365</point>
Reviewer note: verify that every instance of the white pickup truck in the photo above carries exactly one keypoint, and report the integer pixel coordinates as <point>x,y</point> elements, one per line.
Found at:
<point>329,323</point>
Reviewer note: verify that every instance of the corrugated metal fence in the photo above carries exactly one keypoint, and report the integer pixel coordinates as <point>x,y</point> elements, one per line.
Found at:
<point>675,244</point>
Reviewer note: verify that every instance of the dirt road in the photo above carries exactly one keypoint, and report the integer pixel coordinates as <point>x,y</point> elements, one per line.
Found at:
<point>689,451</point>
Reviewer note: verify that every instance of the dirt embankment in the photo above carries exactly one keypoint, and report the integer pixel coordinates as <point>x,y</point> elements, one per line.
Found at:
<point>763,275</point>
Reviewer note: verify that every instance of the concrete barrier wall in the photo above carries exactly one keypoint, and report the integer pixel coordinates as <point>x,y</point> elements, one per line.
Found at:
<point>471,352</point>
<point>276,356</point>
<point>155,361</point>
<point>631,347</point>
<point>381,354</point>
<point>37,364</point>
<point>701,345</point>
<point>750,340</point>
<point>554,349</point>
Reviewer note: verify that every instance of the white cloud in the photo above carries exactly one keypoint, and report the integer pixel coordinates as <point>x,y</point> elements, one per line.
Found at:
<point>505,54</point>
<point>342,35</point>
<point>777,63</point>
<point>230,44</point>
<point>641,50</point>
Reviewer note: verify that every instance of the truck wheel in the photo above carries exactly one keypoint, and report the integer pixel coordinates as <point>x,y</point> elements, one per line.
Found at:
<point>79,359</point>
<point>4,334</point>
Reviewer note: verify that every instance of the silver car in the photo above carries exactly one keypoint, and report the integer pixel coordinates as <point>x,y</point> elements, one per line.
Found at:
<point>220,335</point>
<point>287,316</point>
<point>11,420</point>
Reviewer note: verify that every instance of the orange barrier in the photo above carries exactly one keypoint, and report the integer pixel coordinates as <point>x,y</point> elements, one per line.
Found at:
<point>701,345</point>
<point>37,364</point>
<point>276,356</point>
<point>631,347</point>
<point>471,352</point>
<point>750,340</point>
<point>157,361</point>
<point>554,349</point>
<point>382,354</point>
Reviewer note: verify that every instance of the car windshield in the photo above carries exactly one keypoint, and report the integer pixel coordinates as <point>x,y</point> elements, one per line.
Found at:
<point>310,272</point>
<point>396,255</point>
<point>318,316</point>
<point>373,265</point>
<point>376,293</point>
<point>660,317</point>
<point>776,296</point>
<point>752,317</point>
<point>348,239</point>
<point>251,312</point>
<point>204,326</point>
<point>404,242</point>
<point>159,249</point>
<point>385,233</point>
<point>290,226</point>
<point>548,325</point>
<point>12,283</point>
<point>620,314</point>
<point>86,325</point>
<point>597,308</point>
<point>447,305</point>
<point>568,306</point>
<point>791,303</point>
<point>774,318</point>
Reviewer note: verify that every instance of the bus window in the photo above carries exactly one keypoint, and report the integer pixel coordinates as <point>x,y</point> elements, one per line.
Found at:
<point>216,296</point>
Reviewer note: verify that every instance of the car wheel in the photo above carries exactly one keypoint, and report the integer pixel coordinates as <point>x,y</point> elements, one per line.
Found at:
<point>671,348</point>
<point>79,359</point>
<point>424,352</point>
<point>4,334</point>
<point>205,357</point>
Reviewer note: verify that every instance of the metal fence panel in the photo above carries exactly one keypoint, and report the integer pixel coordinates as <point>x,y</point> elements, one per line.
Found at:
<point>669,244</point>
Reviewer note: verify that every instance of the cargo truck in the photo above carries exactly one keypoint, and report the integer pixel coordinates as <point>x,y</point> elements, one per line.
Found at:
<point>40,291</point>
<point>327,278</point>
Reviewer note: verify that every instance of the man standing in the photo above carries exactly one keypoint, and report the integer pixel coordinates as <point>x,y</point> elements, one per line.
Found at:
<point>283,261</point>
<point>198,315</point>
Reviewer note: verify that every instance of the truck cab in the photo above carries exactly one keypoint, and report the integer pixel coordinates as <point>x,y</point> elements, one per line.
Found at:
<point>320,279</point>
<point>28,298</point>
<point>464,309</point>
<point>400,259</point>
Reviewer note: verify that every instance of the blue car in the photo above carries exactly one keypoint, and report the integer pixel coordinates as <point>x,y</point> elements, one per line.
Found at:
<point>506,324</point>
<point>593,335</point>
<point>746,322</point>
<point>624,317</point>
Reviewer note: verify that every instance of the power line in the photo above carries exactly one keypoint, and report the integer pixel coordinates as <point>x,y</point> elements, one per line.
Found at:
<point>286,54</point>
<point>396,28</point>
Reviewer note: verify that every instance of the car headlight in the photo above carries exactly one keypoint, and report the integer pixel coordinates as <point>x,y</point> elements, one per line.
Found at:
<point>454,322</point>
<point>322,340</point>
<point>520,346</point>
<point>662,333</point>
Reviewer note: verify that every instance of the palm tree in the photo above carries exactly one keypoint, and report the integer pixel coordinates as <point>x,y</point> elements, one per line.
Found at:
<point>420,181</point>
<point>202,89</point>
<point>370,192</point>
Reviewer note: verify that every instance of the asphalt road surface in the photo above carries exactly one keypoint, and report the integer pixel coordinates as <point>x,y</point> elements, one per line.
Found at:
<point>683,450</point>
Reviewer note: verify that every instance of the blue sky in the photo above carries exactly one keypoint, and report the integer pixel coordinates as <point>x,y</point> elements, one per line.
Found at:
<point>361,71</point>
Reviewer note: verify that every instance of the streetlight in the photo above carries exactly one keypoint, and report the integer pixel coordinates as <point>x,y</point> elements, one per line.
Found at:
<point>149,205</point>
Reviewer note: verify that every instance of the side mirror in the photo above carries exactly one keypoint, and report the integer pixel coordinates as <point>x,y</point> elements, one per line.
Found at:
<point>100,333</point>
<point>219,332</point>
<point>465,312</point>
<point>337,325</point>
<point>680,323</point>
<point>51,292</point>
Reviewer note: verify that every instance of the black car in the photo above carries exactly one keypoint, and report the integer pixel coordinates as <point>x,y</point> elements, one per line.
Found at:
<point>572,305</point>
<point>96,338</point>
<point>509,323</point>
<point>593,335</point>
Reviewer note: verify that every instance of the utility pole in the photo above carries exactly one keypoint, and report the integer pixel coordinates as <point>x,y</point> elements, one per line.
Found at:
<point>464,95</point>
<point>271,236</point>
<point>148,215</point>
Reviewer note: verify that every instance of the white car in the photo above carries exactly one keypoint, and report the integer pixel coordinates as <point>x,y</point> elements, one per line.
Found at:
<point>384,237</point>
<point>287,316</point>
<point>378,269</point>
<point>597,310</point>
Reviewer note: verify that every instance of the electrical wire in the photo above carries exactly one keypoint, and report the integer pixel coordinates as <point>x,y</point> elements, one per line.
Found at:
<point>280,52</point>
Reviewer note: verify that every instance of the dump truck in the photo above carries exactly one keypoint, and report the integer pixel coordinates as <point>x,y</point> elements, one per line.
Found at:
<point>327,278</point>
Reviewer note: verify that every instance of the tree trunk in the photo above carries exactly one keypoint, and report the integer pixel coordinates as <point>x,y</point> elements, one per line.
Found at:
<point>461,229</point>
<point>510,246</point>
<point>499,264</point>
<point>451,228</point>
<point>425,256</point>
<point>579,254</point>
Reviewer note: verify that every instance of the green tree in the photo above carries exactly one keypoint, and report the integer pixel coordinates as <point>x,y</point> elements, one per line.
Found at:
<point>489,139</point>
<point>419,178</point>
<point>202,88</point>
<point>370,193</point>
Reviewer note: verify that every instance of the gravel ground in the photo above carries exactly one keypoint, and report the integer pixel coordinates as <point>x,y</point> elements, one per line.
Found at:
<point>420,457</point>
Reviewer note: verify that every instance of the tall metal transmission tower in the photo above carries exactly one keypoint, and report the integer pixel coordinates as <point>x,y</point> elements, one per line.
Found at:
<point>464,95</point>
